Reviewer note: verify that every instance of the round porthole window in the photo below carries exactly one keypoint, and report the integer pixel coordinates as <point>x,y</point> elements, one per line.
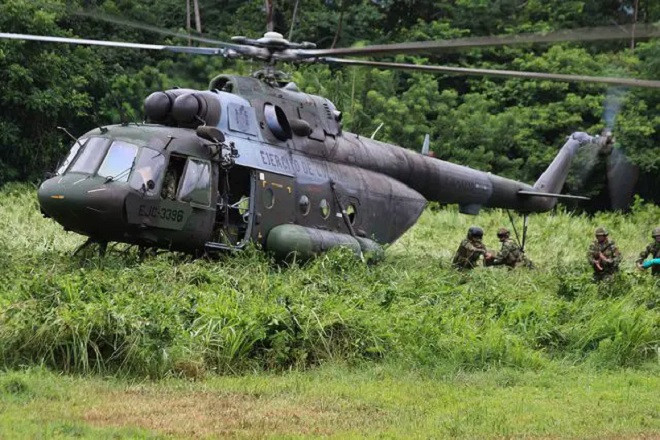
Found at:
<point>325,208</point>
<point>304,205</point>
<point>269,198</point>
<point>350,213</point>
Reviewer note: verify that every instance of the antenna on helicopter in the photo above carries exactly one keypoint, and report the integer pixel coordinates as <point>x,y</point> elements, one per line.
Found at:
<point>373,135</point>
<point>67,132</point>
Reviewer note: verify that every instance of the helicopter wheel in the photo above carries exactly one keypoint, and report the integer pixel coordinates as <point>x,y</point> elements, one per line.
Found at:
<point>102,247</point>
<point>146,251</point>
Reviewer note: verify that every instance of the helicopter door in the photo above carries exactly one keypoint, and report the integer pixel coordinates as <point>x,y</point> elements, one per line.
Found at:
<point>274,204</point>
<point>194,189</point>
<point>234,206</point>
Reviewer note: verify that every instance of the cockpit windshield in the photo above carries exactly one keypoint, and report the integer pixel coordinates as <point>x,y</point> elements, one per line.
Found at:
<point>118,163</point>
<point>92,153</point>
<point>149,167</point>
<point>72,154</point>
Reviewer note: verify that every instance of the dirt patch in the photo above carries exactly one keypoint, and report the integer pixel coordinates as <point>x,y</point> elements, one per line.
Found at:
<point>203,414</point>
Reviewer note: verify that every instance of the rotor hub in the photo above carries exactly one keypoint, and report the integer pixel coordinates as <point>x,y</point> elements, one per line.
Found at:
<point>273,41</point>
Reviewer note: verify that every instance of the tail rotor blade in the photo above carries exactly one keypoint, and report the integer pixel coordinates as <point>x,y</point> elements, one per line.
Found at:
<point>622,176</point>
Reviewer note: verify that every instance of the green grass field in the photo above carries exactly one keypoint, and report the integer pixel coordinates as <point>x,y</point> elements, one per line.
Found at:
<point>333,400</point>
<point>406,348</point>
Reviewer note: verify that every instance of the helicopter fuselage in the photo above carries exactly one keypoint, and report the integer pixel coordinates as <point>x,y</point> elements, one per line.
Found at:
<point>285,175</point>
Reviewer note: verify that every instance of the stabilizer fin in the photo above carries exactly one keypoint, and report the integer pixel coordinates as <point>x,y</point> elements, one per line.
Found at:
<point>545,194</point>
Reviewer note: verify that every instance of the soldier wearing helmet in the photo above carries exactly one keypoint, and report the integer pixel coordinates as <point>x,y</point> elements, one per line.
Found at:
<point>603,255</point>
<point>510,255</point>
<point>468,252</point>
<point>653,250</point>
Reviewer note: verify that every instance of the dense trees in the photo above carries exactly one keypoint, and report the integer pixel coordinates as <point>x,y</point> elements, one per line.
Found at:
<point>511,127</point>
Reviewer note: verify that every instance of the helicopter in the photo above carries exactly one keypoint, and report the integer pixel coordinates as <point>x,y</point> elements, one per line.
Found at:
<point>255,159</point>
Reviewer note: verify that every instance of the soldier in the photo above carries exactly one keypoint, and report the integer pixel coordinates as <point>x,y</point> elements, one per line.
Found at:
<point>470,250</point>
<point>653,250</point>
<point>603,255</point>
<point>510,254</point>
<point>170,183</point>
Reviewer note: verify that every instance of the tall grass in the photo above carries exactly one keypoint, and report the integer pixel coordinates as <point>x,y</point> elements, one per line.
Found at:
<point>173,315</point>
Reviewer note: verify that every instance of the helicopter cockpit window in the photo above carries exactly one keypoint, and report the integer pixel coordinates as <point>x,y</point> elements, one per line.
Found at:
<point>149,167</point>
<point>119,161</point>
<point>92,153</point>
<point>196,186</point>
<point>72,154</point>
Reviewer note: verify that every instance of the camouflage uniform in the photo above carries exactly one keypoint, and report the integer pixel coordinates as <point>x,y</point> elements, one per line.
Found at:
<point>653,250</point>
<point>468,254</point>
<point>510,255</point>
<point>605,249</point>
<point>168,190</point>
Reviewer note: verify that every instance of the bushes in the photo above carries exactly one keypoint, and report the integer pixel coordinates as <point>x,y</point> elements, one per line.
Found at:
<point>174,315</point>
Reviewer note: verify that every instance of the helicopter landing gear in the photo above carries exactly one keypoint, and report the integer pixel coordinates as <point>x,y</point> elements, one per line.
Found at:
<point>102,247</point>
<point>524,230</point>
<point>145,252</point>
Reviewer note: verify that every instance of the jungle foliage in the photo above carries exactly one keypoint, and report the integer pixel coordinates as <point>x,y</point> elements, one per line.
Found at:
<point>511,127</point>
<point>171,315</point>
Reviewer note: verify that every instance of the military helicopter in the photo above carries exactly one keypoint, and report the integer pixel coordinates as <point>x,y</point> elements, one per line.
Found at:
<point>254,159</point>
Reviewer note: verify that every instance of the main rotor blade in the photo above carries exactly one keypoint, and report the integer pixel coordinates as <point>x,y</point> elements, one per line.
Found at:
<point>146,27</point>
<point>584,34</point>
<point>181,49</point>
<point>632,82</point>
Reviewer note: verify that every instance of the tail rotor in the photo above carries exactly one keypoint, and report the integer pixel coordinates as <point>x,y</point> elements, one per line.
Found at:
<point>622,175</point>
<point>607,158</point>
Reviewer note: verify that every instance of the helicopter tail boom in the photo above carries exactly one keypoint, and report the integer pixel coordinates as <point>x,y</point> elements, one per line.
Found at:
<point>545,192</point>
<point>471,189</point>
<point>546,189</point>
<point>553,178</point>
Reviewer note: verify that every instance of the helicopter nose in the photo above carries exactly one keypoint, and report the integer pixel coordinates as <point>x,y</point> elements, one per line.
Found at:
<point>84,204</point>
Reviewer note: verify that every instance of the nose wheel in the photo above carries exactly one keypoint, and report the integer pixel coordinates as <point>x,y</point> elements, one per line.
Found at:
<point>91,246</point>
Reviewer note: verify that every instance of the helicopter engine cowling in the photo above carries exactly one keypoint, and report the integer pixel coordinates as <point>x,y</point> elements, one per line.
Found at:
<point>189,110</point>
<point>158,105</point>
<point>184,108</point>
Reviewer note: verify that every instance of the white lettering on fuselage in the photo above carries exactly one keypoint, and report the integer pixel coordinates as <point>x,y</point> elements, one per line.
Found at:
<point>291,164</point>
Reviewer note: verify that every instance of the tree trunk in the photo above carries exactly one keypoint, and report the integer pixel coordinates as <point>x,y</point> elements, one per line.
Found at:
<point>198,18</point>
<point>293,19</point>
<point>339,25</point>
<point>188,20</point>
<point>632,32</point>
<point>270,16</point>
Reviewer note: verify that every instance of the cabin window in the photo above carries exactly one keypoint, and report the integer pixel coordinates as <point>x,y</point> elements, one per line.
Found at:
<point>196,185</point>
<point>304,205</point>
<point>324,207</point>
<point>149,167</point>
<point>72,155</point>
<point>269,198</point>
<point>172,177</point>
<point>119,161</point>
<point>90,157</point>
<point>350,213</point>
